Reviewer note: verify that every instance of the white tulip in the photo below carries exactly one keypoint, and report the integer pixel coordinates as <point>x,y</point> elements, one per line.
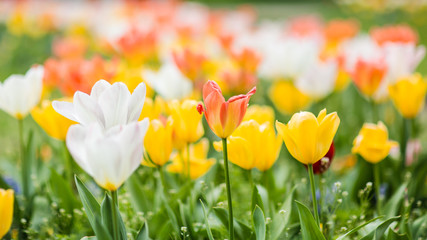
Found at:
<point>21,93</point>
<point>402,59</point>
<point>360,48</point>
<point>168,82</point>
<point>110,156</point>
<point>107,105</point>
<point>319,79</point>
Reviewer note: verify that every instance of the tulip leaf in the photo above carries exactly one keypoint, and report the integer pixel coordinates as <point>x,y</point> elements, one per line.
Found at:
<point>172,216</point>
<point>143,233</point>
<point>106,214</point>
<point>256,199</point>
<point>62,192</point>
<point>356,229</point>
<point>93,210</point>
<point>90,204</point>
<point>208,228</point>
<point>379,231</point>
<point>392,206</point>
<point>137,193</point>
<point>281,218</point>
<point>392,235</point>
<point>259,223</point>
<point>418,225</point>
<point>241,230</point>
<point>309,228</point>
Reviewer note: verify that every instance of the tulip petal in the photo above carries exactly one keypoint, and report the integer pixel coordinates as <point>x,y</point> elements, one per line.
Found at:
<point>66,109</point>
<point>87,110</point>
<point>113,102</point>
<point>136,102</point>
<point>213,103</point>
<point>327,129</point>
<point>98,88</point>
<point>239,152</point>
<point>290,143</point>
<point>303,127</point>
<point>75,143</point>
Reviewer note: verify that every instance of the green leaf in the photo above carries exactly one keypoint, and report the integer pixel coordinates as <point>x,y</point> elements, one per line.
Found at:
<point>93,210</point>
<point>241,230</point>
<point>259,223</point>
<point>309,228</point>
<point>208,228</point>
<point>256,199</point>
<point>356,229</point>
<point>281,219</point>
<point>137,193</point>
<point>172,217</point>
<point>143,233</point>
<point>392,206</point>
<point>417,225</point>
<point>379,231</point>
<point>90,204</point>
<point>392,235</point>
<point>62,192</point>
<point>106,214</point>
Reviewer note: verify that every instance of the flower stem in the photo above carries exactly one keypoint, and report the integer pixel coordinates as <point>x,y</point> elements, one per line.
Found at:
<point>25,165</point>
<point>188,162</point>
<point>227,183</point>
<point>251,180</point>
<point>313,192</point>
<point>406,134</point>
<point>162,178</point>
<point>114,207</point>
<point>377,187</point>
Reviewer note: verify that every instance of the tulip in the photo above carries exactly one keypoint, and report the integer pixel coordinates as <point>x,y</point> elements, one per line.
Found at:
<point>368,76</point>
<point>253,145</point>
<point>153,109</point>
<point>168,82</point>
<point>260,114</point>
<point>199,163</point>
<point>158,142</point>
<point>397,33</point>
<point>287,98</point>
<point>408,95</point>
<point>372,142</point>
<point>319,80</point>
<point>6,210</point>
<point>110,156</point>
<point>308,139</point>
<point>54,124</point>
<point>187,123</point>
<point>107,105</point>
<point>373,145</point>
<point>20,93</point>
<point>223,116</point>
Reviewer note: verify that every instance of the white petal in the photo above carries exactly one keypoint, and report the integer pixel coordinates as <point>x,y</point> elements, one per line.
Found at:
<point>66,109</point>
<point>87,110</point>
<point>99,88</point>
<point>75,141</point>
<point>114,104</point>
<point>136,102</point>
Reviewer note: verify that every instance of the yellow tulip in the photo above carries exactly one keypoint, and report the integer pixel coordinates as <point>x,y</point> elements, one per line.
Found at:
<point>372,142</point>
<point>308,138</point>
<point>199,164</point>
<point>260,114</point>
<point>53,123</point>
<point>342,81</point>
<point>287,98</point>
<point>131,76</point>
<point>408,95</point>
<point>153,109</point>
<point>158,142</point>
<point>187,122</point>
<point>6,211</point>
<point>253,145</point>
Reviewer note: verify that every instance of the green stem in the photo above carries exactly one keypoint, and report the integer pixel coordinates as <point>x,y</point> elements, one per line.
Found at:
<point>406,133</point>
<point>374,109</point>
<point>377,187</point>
<point>188,162</point>
<point>25,167</point>
<point>313,193</point>
<point>227,183</point>
<point>251,180</point>
<point>114,207</point>
<point>162,179</point>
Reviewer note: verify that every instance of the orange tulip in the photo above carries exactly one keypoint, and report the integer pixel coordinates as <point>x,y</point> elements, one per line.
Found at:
<point>368,76</point>
<point>223,116</point>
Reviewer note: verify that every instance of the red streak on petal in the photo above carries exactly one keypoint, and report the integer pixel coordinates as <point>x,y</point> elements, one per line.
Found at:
<point>200,108</point>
